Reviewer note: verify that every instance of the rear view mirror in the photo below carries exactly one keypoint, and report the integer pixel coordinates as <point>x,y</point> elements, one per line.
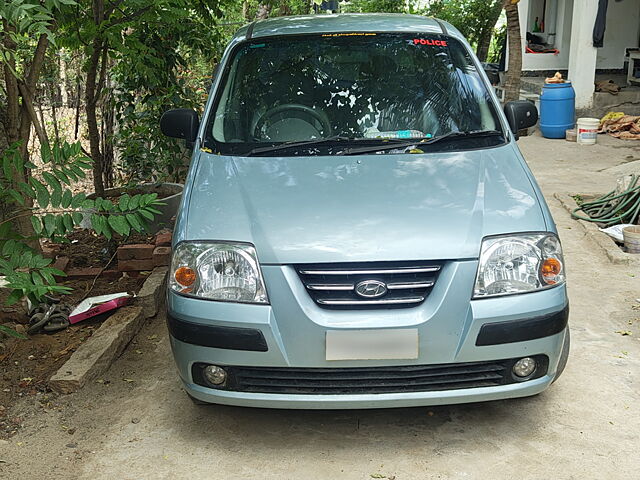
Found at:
<point>180,123</point>
<point>520,114</point>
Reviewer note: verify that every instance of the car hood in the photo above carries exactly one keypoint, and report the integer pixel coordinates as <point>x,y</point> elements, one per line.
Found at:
<point>361,208</point>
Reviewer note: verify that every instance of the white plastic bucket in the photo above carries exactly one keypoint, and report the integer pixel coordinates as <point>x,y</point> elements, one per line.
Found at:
<point>631,237</point>
<point>587,131</point>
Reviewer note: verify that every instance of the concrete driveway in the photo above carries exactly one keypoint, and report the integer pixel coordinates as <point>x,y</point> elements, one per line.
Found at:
<point>138,424</point>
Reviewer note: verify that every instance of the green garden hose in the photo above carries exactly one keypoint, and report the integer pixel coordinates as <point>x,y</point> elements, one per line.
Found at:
<point>613,208</point>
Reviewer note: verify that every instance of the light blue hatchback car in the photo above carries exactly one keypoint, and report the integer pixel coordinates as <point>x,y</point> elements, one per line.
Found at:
<point>358,228</point>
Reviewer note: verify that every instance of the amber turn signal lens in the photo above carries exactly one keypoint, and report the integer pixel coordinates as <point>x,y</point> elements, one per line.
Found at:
<point>550,269</point>
<point>185,276</point>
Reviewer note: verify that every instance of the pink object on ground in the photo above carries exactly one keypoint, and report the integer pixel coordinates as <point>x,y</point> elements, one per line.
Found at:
<point>92,306</point>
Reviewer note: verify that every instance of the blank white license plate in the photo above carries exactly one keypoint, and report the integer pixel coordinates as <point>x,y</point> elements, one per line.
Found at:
<point>372,344</point>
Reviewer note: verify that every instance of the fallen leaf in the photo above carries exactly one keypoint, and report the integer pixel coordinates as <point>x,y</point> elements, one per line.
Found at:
<point>128,380</point>
<point>378,475</point>
<point>624,333</point>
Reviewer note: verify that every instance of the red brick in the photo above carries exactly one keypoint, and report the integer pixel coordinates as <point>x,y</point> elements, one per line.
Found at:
<point>161,256</point>
<point>163,239</point>
<point>50,250</point>
<point>135,265</point>
<point>84,272</point>
<point>140,251</point>
<point>61,263</point>
<point>111,274</point>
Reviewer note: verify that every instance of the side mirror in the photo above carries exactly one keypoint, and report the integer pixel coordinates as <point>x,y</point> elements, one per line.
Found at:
<point>180,123</point>
<point>520,114</point>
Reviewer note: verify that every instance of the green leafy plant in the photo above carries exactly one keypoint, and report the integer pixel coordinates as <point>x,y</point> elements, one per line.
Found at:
<point>55,210</point>
<point>11,332</point>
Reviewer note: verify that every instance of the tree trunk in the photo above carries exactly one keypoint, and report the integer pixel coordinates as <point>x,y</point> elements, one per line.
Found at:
<point>514,68</point>
<point>484,39</point>
<point>91,100</point>
<point>106,134</point>
<point>12,122</point>
<point>18,118</point>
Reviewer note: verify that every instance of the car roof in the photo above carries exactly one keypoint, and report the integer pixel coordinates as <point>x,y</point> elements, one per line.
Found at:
<point>346,22</point>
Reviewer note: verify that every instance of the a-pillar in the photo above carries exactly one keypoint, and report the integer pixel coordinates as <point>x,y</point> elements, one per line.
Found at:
<point>582,53</point>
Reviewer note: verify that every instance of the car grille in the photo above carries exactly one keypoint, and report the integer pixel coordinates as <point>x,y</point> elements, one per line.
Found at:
<point>334,286</point>
<point>396,379</point>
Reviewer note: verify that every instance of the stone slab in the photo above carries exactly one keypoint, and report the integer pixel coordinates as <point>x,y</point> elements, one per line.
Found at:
<point>95,356</point>
<point>602,240</point>
<point>152,292</point>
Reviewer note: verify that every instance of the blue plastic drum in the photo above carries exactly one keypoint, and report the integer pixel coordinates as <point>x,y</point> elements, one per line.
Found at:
<point>557,109</point>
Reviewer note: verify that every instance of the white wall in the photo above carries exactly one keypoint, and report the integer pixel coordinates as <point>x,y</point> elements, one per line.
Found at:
<point>548,61</point>
<point>623,24</point>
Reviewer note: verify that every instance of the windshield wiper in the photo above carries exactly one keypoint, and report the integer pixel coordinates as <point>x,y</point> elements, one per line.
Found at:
<point>287,145</point>
<point>393,145</point>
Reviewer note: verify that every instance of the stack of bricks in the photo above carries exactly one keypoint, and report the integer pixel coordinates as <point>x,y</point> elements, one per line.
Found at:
<point>143,256</point>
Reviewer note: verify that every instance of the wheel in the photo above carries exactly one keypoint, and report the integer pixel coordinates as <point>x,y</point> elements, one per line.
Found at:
<point>564,356</point>
<point>197,401</point>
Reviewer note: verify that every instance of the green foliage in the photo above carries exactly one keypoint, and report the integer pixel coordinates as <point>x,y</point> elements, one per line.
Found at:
<point>11,332</point>
<point>152,70</point>
<point>495,49</point>
<point>54,211</point>
<point>375,6</point>
<point>471,17</point>
<point>25,21</point>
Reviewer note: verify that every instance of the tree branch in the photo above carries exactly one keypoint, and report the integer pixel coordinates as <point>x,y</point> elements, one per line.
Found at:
<point>128,18</point>
<point>28,103</point>
<point>112,8</point>
<point>38,60</point>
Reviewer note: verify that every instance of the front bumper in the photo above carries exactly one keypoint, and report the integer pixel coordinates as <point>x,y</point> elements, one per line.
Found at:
<point>452,329</point>
<point>379,400</point>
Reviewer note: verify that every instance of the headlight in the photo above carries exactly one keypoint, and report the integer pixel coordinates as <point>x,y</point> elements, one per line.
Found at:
<point>518,264</point>
<point>217,271</point>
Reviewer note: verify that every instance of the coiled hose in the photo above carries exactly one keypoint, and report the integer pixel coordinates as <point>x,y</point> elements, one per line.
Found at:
<point>613,208</point>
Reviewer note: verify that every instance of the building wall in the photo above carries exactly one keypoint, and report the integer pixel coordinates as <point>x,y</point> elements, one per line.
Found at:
<point>547,61</point>
<point>623,31</point>
<point>623,24</point>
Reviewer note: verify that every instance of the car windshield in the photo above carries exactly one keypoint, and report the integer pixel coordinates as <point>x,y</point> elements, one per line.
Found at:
<point>348,88</point>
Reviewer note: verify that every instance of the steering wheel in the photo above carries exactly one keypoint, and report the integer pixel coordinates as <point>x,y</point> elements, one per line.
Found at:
<point>297,122</point>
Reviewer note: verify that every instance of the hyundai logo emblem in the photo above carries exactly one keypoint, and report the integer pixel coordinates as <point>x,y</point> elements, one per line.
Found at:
<point>371,289</point>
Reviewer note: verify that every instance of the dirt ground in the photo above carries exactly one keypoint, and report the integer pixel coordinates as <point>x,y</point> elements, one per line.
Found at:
<point>26,366</point>
<point>137,423</point>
